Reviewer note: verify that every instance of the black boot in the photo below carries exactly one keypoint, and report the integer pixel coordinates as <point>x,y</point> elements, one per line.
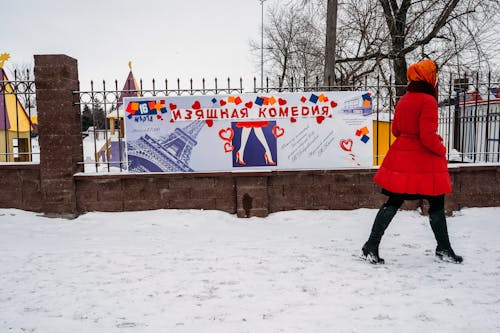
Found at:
<point>382,221</point>
<point>440,229</point>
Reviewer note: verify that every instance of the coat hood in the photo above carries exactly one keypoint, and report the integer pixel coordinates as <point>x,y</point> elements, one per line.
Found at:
<point>424,70</point>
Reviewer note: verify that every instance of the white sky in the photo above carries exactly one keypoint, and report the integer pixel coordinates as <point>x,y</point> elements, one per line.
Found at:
<point>162,38</point>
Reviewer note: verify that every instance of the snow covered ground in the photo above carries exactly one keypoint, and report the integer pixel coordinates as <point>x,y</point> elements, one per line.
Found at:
<point>208,271</point>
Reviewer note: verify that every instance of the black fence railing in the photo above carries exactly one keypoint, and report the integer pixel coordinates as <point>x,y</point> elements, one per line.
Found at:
<point>18,125</point>
<point>469,120</point>
<point>469,114</point>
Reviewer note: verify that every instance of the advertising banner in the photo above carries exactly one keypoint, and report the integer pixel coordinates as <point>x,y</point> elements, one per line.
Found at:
<point>249,132</point>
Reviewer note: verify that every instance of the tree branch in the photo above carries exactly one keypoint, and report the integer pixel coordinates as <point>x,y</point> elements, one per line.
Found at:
<point>440,22</point>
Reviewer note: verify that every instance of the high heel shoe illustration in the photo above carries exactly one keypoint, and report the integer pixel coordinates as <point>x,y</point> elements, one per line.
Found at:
<point>269,161</point>
<point>239,160</point>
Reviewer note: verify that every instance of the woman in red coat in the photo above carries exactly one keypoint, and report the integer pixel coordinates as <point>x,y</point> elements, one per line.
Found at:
<point>415,166</point>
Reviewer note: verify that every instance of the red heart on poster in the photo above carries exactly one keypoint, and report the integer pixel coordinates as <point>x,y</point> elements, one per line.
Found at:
<point>196,105</point>
<point>325,99</point>
<point>249,104</point>
<point>346,144</point>
<point>278,131</point>
<point>333,104</point>
<point>292,120</point>
<point>209,122</point>
<point>228,147</point>
<point>172,106</point>
<point>319,119</point>
<point>281,101</point>
<point>226,134</point>
<point>222,102</point>
<point>172,120</point>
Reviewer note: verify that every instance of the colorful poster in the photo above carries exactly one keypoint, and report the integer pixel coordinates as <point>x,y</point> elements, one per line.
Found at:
<point>249,132</point>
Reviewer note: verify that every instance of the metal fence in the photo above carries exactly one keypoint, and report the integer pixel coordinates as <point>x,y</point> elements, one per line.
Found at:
<point>469,120</point>
<point>18,128</point>
<point>469,114</point>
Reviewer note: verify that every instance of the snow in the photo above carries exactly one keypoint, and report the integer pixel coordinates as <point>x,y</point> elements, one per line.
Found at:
<point>208,271</point>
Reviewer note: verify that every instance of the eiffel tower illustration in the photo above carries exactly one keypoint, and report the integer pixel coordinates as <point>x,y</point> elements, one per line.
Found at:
<point>170,153</point>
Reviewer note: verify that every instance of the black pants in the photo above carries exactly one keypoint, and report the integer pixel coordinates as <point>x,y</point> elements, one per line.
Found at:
<point>436,203</point>
<point>437,219</point>
<point>389,209</point>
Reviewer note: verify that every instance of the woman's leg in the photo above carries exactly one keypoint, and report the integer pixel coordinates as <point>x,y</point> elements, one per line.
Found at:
<point>262,138</point>
<point>245,132</point>
<point>437,218</point>
<point>382,220</point>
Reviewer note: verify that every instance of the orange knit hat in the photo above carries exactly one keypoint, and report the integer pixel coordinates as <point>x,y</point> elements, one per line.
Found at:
<point>424,70</point>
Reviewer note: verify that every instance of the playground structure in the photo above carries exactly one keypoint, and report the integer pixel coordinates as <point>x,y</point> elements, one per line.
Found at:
<point>115,117</point>
<point>382,138</point>
<point>16,127</point>
<point>104,148</point>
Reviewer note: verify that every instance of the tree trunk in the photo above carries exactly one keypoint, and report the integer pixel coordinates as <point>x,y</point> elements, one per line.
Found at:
<point>283,72</point>
<point>400,80</point>
<point>395,17</point>
<point>331,39</point>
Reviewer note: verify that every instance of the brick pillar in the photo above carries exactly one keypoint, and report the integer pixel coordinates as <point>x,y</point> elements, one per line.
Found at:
<point>251,196</point>
<point>60,132</point>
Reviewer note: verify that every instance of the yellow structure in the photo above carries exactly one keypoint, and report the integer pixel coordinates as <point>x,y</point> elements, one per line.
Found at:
<point>15,125</point>
<point>382,139</point>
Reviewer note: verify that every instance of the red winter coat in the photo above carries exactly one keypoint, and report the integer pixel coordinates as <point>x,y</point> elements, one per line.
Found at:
<point>416,161</point>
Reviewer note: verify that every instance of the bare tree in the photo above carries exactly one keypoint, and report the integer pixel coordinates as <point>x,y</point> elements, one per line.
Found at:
<point>442,30</point>
<point>358,33</point>
<point>291,46</point>
<point>383,36</point>
<point>331,41</point>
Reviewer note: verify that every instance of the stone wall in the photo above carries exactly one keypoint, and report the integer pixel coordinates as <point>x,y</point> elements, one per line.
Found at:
<point>144,192</point>
<point>474,186</point>
<point>20,187</point>
<point>259,194</point>
<point>253,194</point>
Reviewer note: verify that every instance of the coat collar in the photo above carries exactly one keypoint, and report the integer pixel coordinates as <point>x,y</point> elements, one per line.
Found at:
<point>423,87</point>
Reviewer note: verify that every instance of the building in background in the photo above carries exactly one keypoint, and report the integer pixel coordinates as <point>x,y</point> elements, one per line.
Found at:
<point>16,128</point>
